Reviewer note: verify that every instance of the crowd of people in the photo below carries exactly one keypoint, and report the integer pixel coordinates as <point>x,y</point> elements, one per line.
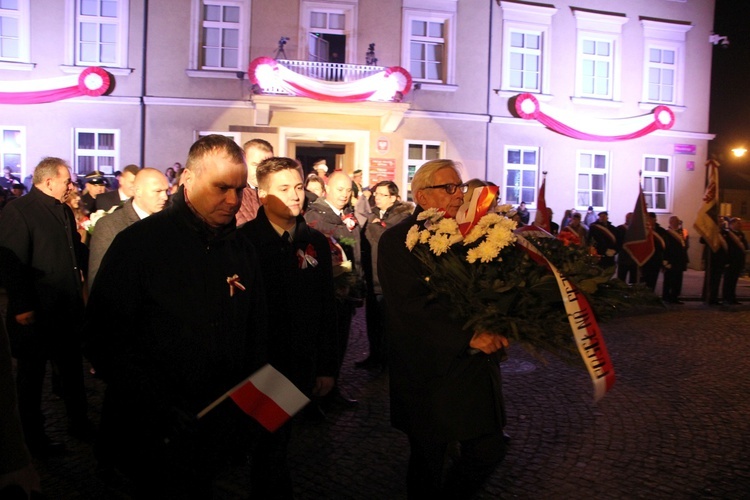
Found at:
<point>265,265</point>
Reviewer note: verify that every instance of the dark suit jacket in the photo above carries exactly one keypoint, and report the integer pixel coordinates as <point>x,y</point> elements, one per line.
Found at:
<point>107,200</point>
<point>47,259</point>
<point>300,301</point>
<point>320,216</point>
<point>105,231</point>
<point>438,390</point>
<point>374,231</point>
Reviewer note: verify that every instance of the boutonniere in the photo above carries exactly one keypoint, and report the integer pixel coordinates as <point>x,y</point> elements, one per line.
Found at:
<point>350,221</point>
<point>307,258</point>
<point>234,284</point>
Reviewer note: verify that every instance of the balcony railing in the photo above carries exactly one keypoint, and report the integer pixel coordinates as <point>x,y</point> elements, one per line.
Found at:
<point>326,71</point>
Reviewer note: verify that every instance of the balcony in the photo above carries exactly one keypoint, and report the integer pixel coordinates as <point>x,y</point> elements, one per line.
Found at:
<point>326,81</point>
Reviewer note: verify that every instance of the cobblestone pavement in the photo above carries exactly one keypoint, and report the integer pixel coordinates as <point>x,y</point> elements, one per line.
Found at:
<point>675,425</point>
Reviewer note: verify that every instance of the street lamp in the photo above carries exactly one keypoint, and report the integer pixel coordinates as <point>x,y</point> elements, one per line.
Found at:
<point>739,152</point>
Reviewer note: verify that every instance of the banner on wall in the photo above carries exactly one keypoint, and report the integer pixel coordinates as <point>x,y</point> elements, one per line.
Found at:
<point>382,169</point>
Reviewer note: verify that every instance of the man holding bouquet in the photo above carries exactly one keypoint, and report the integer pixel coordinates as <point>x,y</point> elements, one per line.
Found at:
<point>445,384</point>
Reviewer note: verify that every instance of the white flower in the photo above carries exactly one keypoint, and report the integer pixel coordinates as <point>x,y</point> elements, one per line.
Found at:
<point>439,244</point>
<point>412,237</point>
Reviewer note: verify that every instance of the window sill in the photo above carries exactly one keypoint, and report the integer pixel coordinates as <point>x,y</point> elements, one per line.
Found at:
<point>226,74</point>
<point>439,87</point>
<point>649,106</point>
<point>113,71</point>
<point>17,66</point>
<point>508,94</point>
<point>601,103</point>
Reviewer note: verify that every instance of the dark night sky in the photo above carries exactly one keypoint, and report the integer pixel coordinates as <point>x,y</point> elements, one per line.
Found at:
<point>730,80</point>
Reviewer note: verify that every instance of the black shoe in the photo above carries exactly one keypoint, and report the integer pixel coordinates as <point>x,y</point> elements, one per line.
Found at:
<point>714,303</point>
<point>506,437</point>
<point>734,302</point>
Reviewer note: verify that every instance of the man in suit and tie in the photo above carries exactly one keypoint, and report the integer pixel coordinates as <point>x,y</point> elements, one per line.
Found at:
<point>256,150</point>
<point>124,192</point>
<point>149,196</point>
<point>296,265</point>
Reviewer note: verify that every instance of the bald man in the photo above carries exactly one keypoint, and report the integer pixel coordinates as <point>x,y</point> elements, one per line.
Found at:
<point>150,188</point>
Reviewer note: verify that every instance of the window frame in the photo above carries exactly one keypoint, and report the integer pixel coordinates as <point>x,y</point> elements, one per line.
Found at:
<point>123,27</point>
<point>529,19</point>
<point>415,163</point>
<point>24,35</point>
<point>665,36</point>
<point>350,12</point>
<point>655,174</point>
<point>521,168</point>
<point>235,136</point>
<point>448,19</point>
<point>591,172</point>
<point>21,150</point>
<point>196,67</point>
<point>600,27</point>
<point>79,152</point>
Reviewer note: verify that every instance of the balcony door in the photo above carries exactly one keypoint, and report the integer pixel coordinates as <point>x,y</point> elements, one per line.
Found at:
<point>327,32</point>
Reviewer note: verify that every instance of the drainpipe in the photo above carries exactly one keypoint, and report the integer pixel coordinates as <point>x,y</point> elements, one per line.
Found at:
<point>489,97</point>
<point>143,84</point>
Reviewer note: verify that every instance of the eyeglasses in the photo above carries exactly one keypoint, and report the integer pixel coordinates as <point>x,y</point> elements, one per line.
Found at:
<point>450,188</point>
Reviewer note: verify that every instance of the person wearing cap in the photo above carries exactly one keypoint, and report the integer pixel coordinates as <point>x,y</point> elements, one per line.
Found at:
<point>95,185</point>
<point>736,251</point>
<point>675,262</point>
<point>321,169</point>
<point>603,235</point>
<point>124,191</point>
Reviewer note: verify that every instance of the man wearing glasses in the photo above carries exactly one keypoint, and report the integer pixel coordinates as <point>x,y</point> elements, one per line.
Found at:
<point>440,392</point>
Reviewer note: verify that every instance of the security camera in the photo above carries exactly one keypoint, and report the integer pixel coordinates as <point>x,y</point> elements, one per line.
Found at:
<point>715,39</point>
<point>283,40</point>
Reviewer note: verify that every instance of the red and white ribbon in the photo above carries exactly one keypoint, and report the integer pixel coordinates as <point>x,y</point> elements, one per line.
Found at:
<point>583,324</point>
<point>92,81</point>
<point>234,283</point>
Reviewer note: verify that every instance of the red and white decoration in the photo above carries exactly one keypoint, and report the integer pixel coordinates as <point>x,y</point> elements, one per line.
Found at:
<point>592,129</point>
<point>387,85</point>
<point>92,81</point>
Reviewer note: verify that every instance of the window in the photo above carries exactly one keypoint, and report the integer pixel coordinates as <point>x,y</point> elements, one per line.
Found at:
<point>428,51</point>
<point>526,30</point>
<point>591,180</point>
<point>101,32</point>
<point>417,153</point>
<point>329,31</point>
<point>664,61</point>
<point>220,38</point>
<point>13,149</point>
<point>656,176</point>
<point>220,47</point>
<point>521,168</point>
<point>96,150</point>
<point>235,136</point>
<point>598,55</point>
<point>14,30</point>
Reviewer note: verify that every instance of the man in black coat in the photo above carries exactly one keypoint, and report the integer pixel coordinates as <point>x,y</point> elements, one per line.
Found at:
<point>389,210</point>
<point>44,270</point>
<point>445,383</point>
<point>296,266</point>
<point>675,262</point>
<point>333,216</point>
<point>651,269</point>
<point>736,254</point>
<point>192,325</point>
<point>124,191</point>
<point>603,237</point>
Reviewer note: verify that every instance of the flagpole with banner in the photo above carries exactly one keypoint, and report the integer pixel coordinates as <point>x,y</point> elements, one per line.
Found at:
<point>639,236</point>
<point>267,396</point>
<point>542,219</point>
<point>706,222</point>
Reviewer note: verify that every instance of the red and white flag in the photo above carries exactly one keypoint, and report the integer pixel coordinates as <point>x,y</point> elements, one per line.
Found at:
<point>706,223</point>
<point>541,219</point>
<point>639,237</point>
<point>267,396</point>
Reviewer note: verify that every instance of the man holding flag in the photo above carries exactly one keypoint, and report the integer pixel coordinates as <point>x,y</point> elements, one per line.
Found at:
<point>706,223</point>
<point>192,324</point>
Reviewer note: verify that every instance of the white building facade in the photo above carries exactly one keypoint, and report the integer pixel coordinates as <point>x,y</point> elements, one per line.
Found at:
<point>179,69</point>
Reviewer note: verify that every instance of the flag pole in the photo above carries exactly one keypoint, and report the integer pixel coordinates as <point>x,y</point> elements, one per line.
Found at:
<point>638,267</point>
<point>220,399</point>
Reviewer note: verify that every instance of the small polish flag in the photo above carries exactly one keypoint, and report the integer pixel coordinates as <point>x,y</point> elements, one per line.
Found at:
<point>267,396</point>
